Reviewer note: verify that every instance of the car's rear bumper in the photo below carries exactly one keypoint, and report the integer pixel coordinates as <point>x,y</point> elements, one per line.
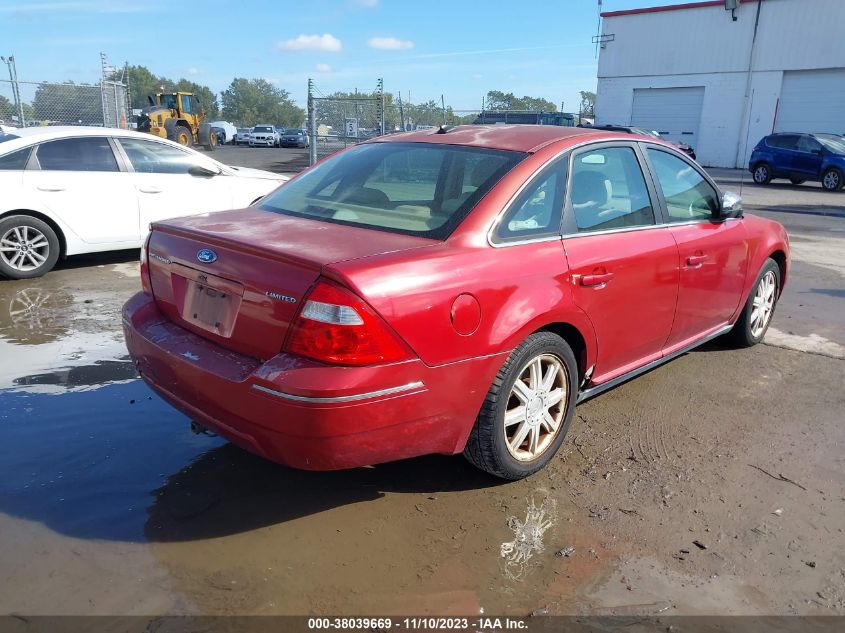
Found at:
<point>302,413</point>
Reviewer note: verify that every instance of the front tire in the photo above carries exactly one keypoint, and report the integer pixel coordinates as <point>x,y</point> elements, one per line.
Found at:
<point>762,174</point>
<point>182,135</point>
<point>528,409</point>
<point>29,247</point>
<point>832,179</point>
<point>757,314</point>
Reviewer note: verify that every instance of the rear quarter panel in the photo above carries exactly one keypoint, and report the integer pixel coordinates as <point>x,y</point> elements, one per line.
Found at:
<point>519,290</point>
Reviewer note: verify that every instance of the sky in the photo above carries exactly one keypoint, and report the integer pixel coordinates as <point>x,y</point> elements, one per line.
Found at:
<point>457,48</point>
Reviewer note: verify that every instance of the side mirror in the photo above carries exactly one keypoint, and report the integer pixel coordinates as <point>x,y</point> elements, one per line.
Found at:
<point>203,172</point>
<point>731,205</point>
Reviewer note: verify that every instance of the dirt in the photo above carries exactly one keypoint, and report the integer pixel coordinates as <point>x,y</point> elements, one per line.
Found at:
<point>713,484</point>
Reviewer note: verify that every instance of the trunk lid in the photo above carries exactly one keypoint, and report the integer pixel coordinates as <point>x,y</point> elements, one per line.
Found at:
<point>238,278</point>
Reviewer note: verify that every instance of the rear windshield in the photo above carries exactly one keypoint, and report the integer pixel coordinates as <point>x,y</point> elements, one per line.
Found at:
<point>413,188</point>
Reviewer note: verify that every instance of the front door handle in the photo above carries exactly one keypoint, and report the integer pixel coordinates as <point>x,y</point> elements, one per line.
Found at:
<point>149,189</point>
<point>695,261</point>
<point>50,188</point>
<point>596,280</point>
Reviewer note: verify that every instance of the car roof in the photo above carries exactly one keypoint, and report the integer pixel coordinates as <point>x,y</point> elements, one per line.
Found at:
<point>517,138</point>
<point>41,132</point>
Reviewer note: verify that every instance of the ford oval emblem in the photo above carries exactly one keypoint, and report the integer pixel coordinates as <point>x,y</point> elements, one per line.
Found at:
<point>207,256</point>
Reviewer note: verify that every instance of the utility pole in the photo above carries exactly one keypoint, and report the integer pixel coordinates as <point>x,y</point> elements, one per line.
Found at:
<point>16,92</point>
<point>401,113</point>
<point>312,124</point>
<point>443,107</point>
<point>381,103</point>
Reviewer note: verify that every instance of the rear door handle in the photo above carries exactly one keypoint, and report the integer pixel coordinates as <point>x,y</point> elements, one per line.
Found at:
<point>694,261</point>
<point>50,188</point>
<point>149,189</point>
<point>596,280</point>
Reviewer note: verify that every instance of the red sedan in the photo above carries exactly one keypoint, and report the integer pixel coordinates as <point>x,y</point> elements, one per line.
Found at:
<point>447,291</point>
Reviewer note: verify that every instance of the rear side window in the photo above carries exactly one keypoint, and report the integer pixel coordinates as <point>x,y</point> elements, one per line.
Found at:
<point>90,153</point>
<point>15,160</point>
<point>415,188</point>
<point>783,141</point>
<point>536,212</point>
<point>607,190</point>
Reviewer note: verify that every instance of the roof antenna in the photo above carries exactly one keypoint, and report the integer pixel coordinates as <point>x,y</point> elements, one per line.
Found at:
<point>443,129</point>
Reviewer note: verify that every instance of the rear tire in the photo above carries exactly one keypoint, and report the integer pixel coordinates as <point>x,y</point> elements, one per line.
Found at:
<point>749,329</point>
<point>535,390</point>
<point>762,174</point>
<point>29,247</point>
<point>832,179</point>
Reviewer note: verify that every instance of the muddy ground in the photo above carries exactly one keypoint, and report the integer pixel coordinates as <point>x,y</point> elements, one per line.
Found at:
<point>714,484</point>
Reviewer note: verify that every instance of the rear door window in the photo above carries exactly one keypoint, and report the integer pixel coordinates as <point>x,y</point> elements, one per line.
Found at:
<point>89,153</point>
<point>607,190</point>
<point>15,160</point>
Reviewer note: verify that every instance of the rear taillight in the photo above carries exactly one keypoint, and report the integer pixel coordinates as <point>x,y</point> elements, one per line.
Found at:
<point>336,326</point>
<point>146,284</point>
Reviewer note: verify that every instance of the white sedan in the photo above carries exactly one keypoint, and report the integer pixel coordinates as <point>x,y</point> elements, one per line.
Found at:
<point>71,190</point>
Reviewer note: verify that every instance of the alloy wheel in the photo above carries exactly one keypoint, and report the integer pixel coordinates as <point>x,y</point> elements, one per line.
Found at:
<point>761,174</point>
<point>536,407</point>
<point>764,304</point>
<point>831,180</point>
<point>24,248</point>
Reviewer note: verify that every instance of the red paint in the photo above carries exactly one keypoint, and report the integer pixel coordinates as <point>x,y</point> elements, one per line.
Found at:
<point>456,308</point>
<point>671,7</point>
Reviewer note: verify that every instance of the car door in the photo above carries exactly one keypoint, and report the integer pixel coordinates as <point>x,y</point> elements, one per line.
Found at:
<point>713,253</point>
<point>807,160</point>
<point>623,262</point>
<point>167,184</point>
<point>80,181</point>
<point>784,148</point>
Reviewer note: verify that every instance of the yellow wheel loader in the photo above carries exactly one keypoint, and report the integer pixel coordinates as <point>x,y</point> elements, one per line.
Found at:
<point>179,117</point>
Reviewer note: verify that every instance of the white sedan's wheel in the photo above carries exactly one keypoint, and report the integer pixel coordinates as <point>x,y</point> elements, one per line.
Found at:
<point>28,247</point>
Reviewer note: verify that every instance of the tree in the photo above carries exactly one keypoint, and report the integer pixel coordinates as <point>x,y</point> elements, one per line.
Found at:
<point>498,100</point>
<point>588,103</point>
<point>7,109</point>
<point>248,102</point>
<point>68,103</point>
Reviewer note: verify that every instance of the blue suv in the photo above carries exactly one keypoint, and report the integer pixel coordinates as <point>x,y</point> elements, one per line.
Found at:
<point>800,157</point>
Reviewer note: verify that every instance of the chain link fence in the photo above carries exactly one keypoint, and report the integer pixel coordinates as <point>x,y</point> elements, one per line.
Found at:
<point>27,103</point>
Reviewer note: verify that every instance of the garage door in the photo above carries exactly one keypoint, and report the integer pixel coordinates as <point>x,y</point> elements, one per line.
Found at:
<point>674,112</point>
<point>812,101</point>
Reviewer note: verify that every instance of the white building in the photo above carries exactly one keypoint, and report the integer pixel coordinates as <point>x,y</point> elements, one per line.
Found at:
<point>696,75</point>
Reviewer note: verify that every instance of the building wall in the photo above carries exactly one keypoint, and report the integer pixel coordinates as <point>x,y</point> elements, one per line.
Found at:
<point>704,47</point>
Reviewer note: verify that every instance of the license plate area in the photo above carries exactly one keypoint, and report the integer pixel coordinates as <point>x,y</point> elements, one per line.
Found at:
<point>210,303</point>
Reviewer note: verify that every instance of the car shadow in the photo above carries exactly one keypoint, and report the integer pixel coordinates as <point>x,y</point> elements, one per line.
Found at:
<point>229,491</point>
<point>98,259</point>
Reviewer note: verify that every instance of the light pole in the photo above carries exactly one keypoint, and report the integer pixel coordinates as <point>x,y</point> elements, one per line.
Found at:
<point>16,94</point>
